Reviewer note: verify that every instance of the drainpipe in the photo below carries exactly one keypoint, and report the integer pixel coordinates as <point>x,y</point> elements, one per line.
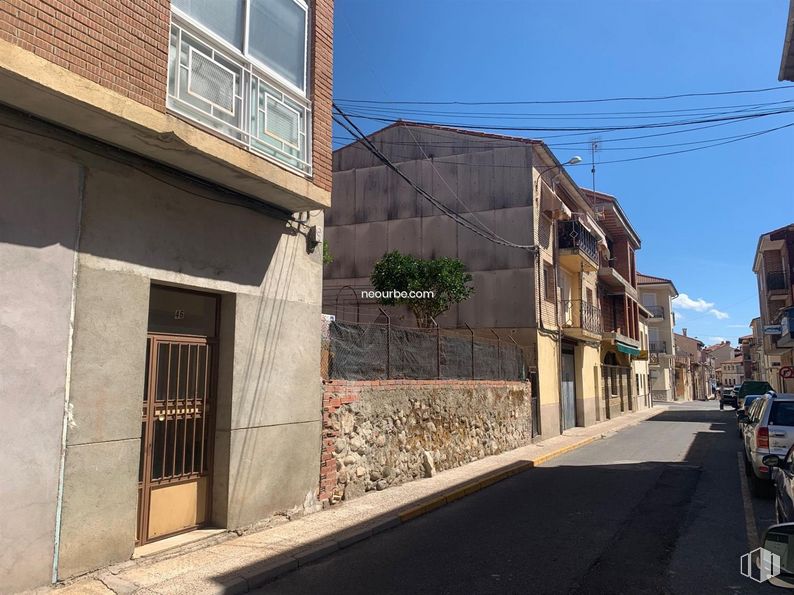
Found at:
<point>68,378</point>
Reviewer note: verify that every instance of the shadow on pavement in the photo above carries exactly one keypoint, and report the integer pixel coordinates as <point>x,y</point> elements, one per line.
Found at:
<point>647,527</point>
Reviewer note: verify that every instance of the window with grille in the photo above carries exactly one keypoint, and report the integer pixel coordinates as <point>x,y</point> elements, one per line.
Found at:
<point>240,69</point>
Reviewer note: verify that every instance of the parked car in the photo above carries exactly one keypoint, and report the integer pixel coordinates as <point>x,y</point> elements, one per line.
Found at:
<point>744,406</point>
<point>750,387</point>
<point>783,477</point>
<point>768,430</point>
<point>727,397</point>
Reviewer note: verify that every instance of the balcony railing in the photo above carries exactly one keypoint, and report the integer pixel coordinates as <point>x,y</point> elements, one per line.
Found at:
<point>775,280</point>
<point>572,234</point>
<point>656,311</point>
<point>657,346</point>
<point>580,314</point>
<point>226,93</point>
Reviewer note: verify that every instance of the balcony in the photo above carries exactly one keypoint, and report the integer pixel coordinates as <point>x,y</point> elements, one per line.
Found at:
<point>578,247</point>
<point>657,312</point>
<point>776,282</point>
<point>614,281</point>
<point>580,320</point>
<point>657,346</point>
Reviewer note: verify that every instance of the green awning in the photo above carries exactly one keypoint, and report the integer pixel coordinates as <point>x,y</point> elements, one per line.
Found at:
<point>627,349</point>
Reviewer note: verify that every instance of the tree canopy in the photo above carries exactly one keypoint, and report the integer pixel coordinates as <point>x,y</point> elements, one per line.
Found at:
<point>447,278</point>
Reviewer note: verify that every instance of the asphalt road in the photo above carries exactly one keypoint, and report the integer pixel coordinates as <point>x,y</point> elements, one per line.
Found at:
<point>657,508</point>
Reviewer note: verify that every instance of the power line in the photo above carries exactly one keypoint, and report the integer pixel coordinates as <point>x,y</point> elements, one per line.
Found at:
<point>487,234</point>
<point>621,115</point>
<point>567,101</point>
<point>592,129</point>
<point>731,140</point>
<point>493,145</point>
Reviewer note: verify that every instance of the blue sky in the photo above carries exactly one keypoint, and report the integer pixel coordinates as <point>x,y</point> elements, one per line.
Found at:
<point>699,214</point>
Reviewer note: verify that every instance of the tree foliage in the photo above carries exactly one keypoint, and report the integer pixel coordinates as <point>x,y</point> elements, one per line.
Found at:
<point>327,256</point>
<point>445,277</point>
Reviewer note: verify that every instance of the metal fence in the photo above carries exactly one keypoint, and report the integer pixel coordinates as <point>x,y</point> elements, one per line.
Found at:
<point>378,351</point>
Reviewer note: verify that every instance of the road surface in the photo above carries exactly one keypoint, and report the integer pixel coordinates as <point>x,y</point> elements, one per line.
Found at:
<point>661,507</point>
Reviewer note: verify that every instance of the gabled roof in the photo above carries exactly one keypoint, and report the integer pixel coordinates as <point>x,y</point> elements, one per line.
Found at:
<point>717,346</point>
<point>643,279</point>
<point>491,135</point>
<point>621,220</point>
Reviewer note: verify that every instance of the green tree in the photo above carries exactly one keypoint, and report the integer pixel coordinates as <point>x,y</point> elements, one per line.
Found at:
<point>327,256</point>
<point>445,277</point>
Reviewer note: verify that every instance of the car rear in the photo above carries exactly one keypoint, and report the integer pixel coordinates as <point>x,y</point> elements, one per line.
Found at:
<point>773,434</point>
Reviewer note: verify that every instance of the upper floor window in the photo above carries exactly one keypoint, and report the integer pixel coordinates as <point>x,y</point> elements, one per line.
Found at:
<point>272,32</point>
<point>239,67</point>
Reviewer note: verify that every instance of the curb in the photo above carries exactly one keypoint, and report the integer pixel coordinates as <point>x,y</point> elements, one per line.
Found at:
<point>281,565</point>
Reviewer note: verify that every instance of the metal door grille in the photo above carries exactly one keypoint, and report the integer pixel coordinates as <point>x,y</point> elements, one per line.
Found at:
<point>176,421</point>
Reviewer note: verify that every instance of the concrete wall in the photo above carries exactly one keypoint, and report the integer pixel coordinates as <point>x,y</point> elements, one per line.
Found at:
<point>141,225</point>
<point>588,384</point>
<point>549,386</point>
<point>383,433</point>
<point>39,204</point>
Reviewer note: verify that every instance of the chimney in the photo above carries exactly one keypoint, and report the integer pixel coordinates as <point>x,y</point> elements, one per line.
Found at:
<point>683,331</point>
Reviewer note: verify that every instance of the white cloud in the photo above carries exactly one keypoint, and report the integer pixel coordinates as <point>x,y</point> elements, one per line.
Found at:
<point>683,301</point>
<point>717,339</point>
<point>687,303</point>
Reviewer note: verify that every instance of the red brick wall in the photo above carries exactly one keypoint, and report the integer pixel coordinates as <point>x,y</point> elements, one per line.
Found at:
<point>322,83</point>
<point>120,44</point>
<point>123,45</point>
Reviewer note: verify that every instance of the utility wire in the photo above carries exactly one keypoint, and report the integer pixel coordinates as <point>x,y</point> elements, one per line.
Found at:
<point>568,101</point>
<point>594,129</point>
<point>626,115</point>
<point>441,144</point>
<point>643,157</point>
<point>350,126</point>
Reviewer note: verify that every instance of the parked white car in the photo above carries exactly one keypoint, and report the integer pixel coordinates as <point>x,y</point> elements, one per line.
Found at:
<point>768,430</point>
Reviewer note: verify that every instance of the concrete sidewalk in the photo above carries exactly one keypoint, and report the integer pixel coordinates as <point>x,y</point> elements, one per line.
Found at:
<point>232,564</point>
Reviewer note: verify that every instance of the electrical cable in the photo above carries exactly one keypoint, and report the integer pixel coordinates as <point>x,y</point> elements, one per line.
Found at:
<point>735,139</point>
<point>593,129</point>
<point>568,101</point>
<point>455,216</point>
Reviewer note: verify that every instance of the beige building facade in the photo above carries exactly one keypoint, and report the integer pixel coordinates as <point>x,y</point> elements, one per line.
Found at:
<point>773,265</point>
<point>656,295</point>
<point>549,298</point>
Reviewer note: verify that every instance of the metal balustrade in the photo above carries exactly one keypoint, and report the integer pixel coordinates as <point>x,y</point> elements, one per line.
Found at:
<point>223,91</point>
<point>572,234</point>
<point>580,314</point>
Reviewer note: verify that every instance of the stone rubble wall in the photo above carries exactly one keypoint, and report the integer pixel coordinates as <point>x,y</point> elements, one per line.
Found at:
<point>378,434</point>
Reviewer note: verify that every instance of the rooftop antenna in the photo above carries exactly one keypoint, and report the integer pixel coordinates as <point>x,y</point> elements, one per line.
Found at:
<point>595,145</point>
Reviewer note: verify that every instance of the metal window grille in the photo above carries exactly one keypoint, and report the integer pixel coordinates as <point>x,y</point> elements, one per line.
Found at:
<point>229,95</point>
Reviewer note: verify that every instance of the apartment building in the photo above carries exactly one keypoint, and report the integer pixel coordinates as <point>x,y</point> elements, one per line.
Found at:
<point>774,268</point>
<point>547,299</point>
<point>732,371</point>
<point>620,307</point>
<point>656,295</point>
<point>164,166</point>
<point>721,352</point>
<point>748,347</point>
<point>693,371</point>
